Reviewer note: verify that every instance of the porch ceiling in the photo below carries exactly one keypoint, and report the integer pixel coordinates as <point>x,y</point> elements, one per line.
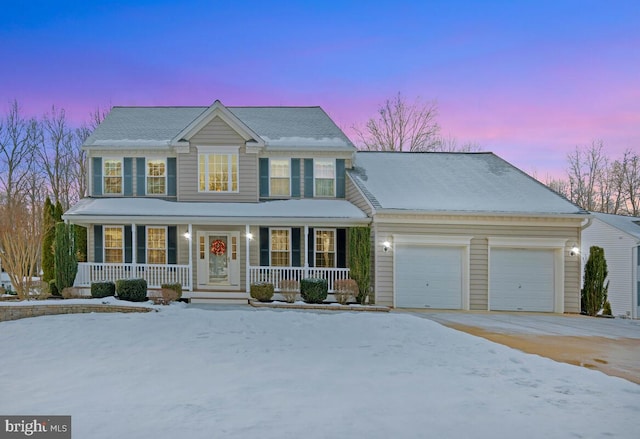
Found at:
<point>157,211</point>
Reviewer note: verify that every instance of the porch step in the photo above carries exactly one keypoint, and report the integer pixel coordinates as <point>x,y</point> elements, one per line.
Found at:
<point>212,301</point>
<point>222,297</point>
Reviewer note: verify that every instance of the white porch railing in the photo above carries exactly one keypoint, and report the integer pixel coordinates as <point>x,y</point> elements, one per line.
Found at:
<point>154,274</point>
<point>274,275</point>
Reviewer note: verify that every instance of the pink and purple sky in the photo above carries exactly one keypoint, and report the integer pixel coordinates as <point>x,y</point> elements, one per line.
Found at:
<point>528,80</point>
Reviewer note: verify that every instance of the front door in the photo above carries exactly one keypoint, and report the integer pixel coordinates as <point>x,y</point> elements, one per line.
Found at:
<point>218,259</point>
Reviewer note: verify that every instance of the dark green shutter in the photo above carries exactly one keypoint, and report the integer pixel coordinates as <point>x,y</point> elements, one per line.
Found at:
<point>340,176</point>
<point>308,178</point>
<point>264,246</point>
<point>97,176</point>
<point>310,248</point>
<point>128,176</point>
<point>264,177</point>
<point>172,245</point>
<point>295,247</point>
<point>141,237</point>
<point>128,245</point>
<point>97,244</point>
<point>341,248</point>
<point>295,178</point>
<point>171,176</point>
<point>141,177</point>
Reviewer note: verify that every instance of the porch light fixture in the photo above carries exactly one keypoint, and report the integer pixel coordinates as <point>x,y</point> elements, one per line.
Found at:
<point>249,236</point>
<point>386,246</point>
<point>575,250</point>
<point>186,235</point>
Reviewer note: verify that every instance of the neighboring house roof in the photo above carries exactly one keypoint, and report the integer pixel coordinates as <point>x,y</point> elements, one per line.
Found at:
<point>153,210</point>
<point>627,224</point>
<point>453,182</point>
<point>278,127</point>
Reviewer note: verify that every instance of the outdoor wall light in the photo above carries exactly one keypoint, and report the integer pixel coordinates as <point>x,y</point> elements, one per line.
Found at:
<point>575,250</point>
<point>186,235</point>
<point>249,236</point>
<point>386,246</point>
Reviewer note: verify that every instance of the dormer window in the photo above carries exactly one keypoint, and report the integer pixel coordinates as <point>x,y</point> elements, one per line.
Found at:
<point>325,177</point>
<point>217,172</point>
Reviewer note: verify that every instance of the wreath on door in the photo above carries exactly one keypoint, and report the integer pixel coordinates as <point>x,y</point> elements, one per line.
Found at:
<point>218,247</point>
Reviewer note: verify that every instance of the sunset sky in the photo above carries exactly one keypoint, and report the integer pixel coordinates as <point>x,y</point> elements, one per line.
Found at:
<point>528,80</point>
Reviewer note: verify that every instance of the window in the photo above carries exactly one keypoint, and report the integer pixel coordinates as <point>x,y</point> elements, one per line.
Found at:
<point>156,245</point>
<point>280,248</point>
<point>325,177</point>
<point>280,177</point>
<point>113,244</point>
<point>218,172</point>
<point>112,174</point>
<point>156,177</point>
<point>325,251</point>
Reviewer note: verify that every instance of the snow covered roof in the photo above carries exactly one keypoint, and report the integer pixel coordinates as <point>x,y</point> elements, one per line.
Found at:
<point>453,182</point>
<point>627,224</point>
<point>278,127</point>
<point>158,211</point>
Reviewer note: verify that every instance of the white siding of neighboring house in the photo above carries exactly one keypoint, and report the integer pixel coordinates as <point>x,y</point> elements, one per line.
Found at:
<point>618,252</point>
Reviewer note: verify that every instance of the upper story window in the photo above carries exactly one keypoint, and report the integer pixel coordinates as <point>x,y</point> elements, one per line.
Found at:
<point>112,175</point>
<point>280,248</point>
<point>218,172</point>
<point>113,244</point>
<point>156,245</point>
<point>325,248</point>
<point>280,177</point>
<point>324,173</point>
<point>156,177</point>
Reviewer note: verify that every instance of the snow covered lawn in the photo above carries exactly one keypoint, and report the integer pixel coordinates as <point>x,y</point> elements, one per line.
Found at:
<point>192,373</point>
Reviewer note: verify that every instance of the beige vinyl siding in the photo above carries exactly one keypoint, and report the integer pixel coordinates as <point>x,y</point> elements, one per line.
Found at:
<point>479,255</point>
<point>217,132</point>
<point>247,179</point>
<point>355,197</point>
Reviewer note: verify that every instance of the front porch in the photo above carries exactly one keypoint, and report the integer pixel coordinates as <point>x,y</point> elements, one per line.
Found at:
<point>158,274</point>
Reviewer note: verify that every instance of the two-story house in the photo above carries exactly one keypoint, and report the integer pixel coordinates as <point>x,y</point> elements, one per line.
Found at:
<point>217,197</point>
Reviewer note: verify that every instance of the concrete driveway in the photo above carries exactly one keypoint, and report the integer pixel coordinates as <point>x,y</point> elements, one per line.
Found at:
<point>611,346</point>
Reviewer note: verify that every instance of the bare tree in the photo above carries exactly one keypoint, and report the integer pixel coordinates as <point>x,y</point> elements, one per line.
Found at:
<point>79,156</point>
<point>18,137</point>
<point>401,126</point>
<point>450,144</point>
<point>585,171</point>
<point>631,182</point>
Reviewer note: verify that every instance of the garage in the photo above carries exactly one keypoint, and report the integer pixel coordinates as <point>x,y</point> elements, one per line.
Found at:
<point>521,280</point>
<point>428,277</point>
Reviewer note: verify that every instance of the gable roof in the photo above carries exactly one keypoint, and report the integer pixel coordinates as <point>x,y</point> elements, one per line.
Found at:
<point>453,182</point>
<point>628,224</point>
<point>278,127</point>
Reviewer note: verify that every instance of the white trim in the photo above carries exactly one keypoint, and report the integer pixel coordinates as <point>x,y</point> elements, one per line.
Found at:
<point>315,177</point>
<point>556,244</point>
<point>225,149</point>
<point>166,244</point>
<point>335,245</point>
<point>147,176</point>
<point>463,242</point>
<point>288,229</point>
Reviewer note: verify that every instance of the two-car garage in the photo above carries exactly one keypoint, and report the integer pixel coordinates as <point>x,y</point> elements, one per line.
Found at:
<point>434,273</point>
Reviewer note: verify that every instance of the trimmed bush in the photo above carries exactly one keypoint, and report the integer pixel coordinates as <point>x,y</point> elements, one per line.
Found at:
<point>133,290</point>
<point>53,289</point>
<point>262,291</point>
<point>103,289</point>
<point>345,289</point>
<point>314,290</point>
<point>594,290</point>
<point>606,310</point>
<point>289,289</point>
<point>175,287</point>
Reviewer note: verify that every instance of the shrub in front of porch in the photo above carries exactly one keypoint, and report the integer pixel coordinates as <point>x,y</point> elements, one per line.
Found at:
<point>175,287</point>
<point>133,290</point>
<point>103,289</point>
<point>345,289</point>
<point>289,289</point>
<point>314,290</point>
<point>262,291</point>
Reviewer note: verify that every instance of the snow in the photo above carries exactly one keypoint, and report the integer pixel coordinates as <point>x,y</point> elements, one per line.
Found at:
<point>244,373</point>
<point>109,300</point>
<point>333,209</point>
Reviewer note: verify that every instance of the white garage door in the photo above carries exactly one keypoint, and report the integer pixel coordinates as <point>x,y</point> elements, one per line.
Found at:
<point>521,280</point>
<point>428,277</point>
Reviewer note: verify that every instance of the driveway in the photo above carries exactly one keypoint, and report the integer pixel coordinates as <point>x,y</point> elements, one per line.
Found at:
<point>611,346</point>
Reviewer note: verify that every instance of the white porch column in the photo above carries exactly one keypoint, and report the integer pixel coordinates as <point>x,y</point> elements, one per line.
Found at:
<point>306,251</point>
<point>190,232</point>
<point>247,240</point>
<point>134,246</point>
